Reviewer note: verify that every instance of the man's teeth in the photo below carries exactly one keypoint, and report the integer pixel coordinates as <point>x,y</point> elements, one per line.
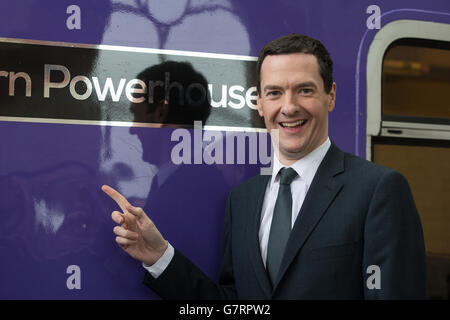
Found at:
<point>293,124</point>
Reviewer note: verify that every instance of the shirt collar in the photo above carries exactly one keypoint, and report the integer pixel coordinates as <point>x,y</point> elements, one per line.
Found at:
<point>305,167</point>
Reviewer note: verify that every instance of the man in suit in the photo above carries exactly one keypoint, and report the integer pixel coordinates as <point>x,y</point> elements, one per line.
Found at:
<point>324,225</point>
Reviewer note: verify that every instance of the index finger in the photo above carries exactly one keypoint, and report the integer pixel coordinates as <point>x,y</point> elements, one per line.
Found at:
<point>117,197</point>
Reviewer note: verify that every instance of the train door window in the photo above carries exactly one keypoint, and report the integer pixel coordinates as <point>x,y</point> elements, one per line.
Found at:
<point>409,130</point>
<point>416,81</point>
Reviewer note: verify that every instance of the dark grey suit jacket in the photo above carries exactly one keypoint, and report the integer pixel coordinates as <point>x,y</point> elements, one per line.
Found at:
<point>356,215</point>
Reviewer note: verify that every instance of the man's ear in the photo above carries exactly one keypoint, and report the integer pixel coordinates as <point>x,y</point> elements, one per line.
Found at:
<point>162,110</point>
<point>259,106</point>
<point>332,97</point>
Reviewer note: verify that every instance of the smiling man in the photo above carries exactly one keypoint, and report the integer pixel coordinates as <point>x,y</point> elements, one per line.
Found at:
<point>325,225</point>
<point>295,100</point>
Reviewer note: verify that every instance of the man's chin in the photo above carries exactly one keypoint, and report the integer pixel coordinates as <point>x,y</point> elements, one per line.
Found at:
<point>291,154</point>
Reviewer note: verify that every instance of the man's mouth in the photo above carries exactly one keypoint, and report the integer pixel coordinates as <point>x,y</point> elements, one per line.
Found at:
<point>292,125</point>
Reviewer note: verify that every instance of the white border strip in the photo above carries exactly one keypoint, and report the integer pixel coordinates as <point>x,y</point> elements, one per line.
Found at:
<point>131,49</point>
<point>240,129</point>
<point>127,124</point>
<point>80,122</point>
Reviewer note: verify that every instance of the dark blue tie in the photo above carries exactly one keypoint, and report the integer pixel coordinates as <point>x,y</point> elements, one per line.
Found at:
<point>281,224</point>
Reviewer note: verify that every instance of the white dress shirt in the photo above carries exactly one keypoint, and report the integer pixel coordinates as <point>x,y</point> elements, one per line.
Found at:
<point>306,169</point>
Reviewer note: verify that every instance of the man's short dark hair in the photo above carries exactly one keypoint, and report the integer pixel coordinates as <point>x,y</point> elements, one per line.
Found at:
<point>183,74</point>
<point>298,43</point>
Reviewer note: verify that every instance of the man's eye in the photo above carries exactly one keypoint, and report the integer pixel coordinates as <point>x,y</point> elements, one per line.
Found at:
<point>272,93</point>
<point>306,91</point>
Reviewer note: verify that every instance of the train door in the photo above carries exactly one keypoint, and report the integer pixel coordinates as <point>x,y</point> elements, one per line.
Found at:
<point>408,128</point>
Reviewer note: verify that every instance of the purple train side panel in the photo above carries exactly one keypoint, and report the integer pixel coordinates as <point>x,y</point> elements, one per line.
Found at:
<point>72,81</point>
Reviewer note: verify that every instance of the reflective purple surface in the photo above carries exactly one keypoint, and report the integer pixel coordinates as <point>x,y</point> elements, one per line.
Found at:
<point>53,213</point>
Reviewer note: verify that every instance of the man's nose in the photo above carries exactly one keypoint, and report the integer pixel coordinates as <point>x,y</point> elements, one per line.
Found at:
<point>290,105</point>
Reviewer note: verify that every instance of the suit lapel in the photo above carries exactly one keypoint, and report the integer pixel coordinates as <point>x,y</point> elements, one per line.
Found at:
<point>255,208</point>
<point>321,193</point>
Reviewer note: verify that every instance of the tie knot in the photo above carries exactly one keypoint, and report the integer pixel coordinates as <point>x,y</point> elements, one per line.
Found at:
<point>287,175</point>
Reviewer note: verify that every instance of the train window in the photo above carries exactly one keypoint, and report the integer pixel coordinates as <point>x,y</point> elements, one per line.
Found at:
<point>416,81</point>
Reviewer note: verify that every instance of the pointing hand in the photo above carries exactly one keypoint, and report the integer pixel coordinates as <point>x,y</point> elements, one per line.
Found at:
<point>137,235</point>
